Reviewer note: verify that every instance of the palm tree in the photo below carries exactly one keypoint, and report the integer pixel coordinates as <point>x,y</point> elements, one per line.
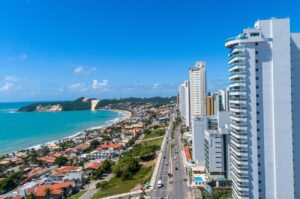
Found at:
<point>31,196</point>
<point>47,192</point>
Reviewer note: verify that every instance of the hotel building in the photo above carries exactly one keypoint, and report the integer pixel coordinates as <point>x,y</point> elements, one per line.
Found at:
<point>264,104</point>
<point>184,102</point>
<point>198,89</point>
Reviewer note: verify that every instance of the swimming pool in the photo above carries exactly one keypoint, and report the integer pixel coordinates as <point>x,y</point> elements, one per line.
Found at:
<point>198,179</point>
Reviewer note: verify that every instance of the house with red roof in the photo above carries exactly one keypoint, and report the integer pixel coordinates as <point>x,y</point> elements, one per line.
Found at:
<point>91,167</point>
<point>54,191</point>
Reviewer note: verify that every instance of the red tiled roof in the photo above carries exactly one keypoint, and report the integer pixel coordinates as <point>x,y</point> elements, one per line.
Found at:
<point>68,168</point>
<point>36,171</point>
<point>55,189</point>
<point>93,165</point>
<point>108,146</point>
<point>47,159</point>
<point>83,146</point>
<point>17,197</point>
<point>187,154</point>
<point>71,150</point>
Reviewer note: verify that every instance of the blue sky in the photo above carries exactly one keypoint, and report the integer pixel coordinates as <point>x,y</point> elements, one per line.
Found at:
<point>56,50</point>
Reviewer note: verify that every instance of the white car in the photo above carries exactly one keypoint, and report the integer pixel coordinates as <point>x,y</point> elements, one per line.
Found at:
<point>159,184</point>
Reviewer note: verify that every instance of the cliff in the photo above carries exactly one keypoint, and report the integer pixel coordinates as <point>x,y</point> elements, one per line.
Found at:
<point>78,104</point>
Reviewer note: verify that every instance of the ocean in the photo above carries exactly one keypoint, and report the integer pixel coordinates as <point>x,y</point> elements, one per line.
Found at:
<point>21,130</point>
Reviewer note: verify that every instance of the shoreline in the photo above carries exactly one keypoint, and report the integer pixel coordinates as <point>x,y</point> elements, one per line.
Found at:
<point>124,115</point>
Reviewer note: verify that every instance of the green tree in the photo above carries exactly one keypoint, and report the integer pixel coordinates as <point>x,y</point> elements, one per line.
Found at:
<point>126,167</point>
<point>47,192</point>
<point>31,196</point>
<point>61,161</point>
<point>94,144</point>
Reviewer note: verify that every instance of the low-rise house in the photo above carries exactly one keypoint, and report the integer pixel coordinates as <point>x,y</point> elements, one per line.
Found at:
<point>37,172</point>
<point>71,152</point>
<point>55,191</point>
<point>82,147</point>
<point>68,174</point>
<point>91,167</point>
<point>47,160</point>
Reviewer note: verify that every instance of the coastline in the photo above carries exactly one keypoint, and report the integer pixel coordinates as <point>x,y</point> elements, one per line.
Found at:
<point>124,115</point>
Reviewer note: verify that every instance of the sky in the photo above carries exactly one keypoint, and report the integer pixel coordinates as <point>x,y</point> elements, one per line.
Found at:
<point>64,49</point>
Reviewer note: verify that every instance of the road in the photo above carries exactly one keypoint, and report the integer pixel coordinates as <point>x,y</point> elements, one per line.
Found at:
<point>179,188</point>
<point>174,187</point>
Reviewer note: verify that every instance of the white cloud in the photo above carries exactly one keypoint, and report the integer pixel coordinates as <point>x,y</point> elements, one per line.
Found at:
<point>156,86</point>
<point>99,84</point>
<point>83,71</point>
<point>10,79</point>
<point>78,87</point>
<point>6,87</point>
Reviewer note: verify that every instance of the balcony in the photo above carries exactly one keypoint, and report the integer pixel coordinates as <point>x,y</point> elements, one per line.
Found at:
<point>239,65</point>
<point>235,40</point>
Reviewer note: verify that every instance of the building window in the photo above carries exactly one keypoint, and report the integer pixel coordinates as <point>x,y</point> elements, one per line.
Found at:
<point>256,87</point>
<point>257,112</point>
<point>254,34</point>
<point>257,130</point>
<point>256,52</point>
<point>256,61</point>
<point>256,69</point>
<point>256,78</point>
<point>256,44</point>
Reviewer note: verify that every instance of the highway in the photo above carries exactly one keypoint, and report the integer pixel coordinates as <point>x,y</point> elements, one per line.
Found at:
<point>175,187</point>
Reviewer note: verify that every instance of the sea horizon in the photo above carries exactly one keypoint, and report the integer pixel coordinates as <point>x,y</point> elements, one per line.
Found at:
<point>38,128</point>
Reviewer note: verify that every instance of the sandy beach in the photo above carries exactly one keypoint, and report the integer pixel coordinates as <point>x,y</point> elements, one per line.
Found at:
<point>124,116</point>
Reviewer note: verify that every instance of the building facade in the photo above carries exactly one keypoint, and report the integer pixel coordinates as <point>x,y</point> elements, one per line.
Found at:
<point>198,126</point>
<point>210,105</point>
<point>261,93</point>
<point>197,79</point>
<point>184,102</point>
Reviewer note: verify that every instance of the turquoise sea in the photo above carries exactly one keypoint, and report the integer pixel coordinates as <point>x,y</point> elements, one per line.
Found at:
<point>21,130</point>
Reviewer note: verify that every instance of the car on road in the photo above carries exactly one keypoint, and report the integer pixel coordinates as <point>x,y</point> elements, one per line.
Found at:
<point>166,163</point>
<point>176,168</point>
<point>164,157</point>
<point>159,183</point>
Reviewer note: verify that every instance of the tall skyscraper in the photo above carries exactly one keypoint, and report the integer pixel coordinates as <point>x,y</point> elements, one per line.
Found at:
<point>264,141</point>
<point>198,89</point>
<point>184,102</point>
<point>210,105</point>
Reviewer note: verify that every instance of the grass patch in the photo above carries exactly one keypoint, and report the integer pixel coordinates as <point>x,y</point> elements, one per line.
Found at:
<point>77,195</point>
<point>156,142</point>
<point>154,133</point>
<point>117,186</point>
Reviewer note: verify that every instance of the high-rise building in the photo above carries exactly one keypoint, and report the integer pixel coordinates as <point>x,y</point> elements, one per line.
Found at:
<point>216,145</point>
<point>184,102</point>
<point>265,157</point>
<point>224,103</point>
<point>198,89</point>
<point>209,105</point>
<point>198,126</point>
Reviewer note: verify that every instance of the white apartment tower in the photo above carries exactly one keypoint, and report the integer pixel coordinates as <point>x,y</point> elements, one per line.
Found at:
<point>184,102</point>
<point>264,69</point>
<point>198,89</point>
